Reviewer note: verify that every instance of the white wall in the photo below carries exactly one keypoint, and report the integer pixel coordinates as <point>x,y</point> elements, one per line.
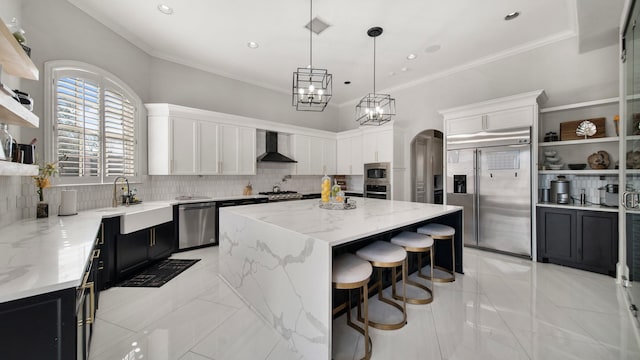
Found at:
<point>177,84</point>
<point>558,68</point>
<point>57,30</point>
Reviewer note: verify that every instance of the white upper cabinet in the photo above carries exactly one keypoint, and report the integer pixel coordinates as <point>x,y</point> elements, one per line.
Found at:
<point>496,120</point>
<point>198,145</point>
<point>184,147</point>
<point>506,113</point>
<point>377,145</point>
<point>349,153</point>
<point>314,155</point>
<point>237,150</point>
<point>207,148</point>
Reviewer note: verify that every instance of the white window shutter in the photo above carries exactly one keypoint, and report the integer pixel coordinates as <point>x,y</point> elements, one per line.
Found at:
<point>78,127</point>
<point>119,134</point>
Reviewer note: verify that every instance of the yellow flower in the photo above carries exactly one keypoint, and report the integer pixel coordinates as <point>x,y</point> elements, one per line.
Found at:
<point>42,179</point>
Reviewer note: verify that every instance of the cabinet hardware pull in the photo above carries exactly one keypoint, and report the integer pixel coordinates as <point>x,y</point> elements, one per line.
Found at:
<point>92,303</point>
<point>101,233</point>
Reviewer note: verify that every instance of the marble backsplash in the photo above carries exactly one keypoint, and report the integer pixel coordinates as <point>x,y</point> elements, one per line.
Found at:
<point>18,197</point>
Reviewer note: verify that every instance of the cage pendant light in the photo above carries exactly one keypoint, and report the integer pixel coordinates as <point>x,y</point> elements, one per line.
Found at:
<point>311,87</point>
<point>375,109</point>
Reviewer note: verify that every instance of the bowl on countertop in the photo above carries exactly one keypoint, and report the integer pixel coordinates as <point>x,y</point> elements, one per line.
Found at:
<point>577,166</point>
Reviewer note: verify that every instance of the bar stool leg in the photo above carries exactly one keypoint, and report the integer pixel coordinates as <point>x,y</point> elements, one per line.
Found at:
<point>451,272</point>
<point>403,308</point>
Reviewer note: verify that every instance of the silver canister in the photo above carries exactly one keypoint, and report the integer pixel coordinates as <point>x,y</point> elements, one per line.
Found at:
<point>544,195</point>
<point>560,191</point>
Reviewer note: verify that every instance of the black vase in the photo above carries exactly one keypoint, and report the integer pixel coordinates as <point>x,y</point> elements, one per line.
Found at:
<point>42,211</point>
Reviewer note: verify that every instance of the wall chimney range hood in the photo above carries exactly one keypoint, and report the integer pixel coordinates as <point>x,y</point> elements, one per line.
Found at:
<point>272,154</point>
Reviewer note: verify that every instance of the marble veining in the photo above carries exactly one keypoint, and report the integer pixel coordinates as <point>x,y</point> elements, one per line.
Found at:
<point>372,216</point>
<point>278,256</point>
<point>44,255</point>
<point>280,273</point>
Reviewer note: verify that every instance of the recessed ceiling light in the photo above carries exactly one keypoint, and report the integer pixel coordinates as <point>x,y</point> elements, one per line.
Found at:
<point>432,48</point>
<point>404,69</point>
<point>165,9</point>
<point>252,45</point>
<point>411,56</point>
<point>347,82</point>
<point>512,15</point>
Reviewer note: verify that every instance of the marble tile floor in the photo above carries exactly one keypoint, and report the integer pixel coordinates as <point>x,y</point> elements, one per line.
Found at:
<point>502,308</point>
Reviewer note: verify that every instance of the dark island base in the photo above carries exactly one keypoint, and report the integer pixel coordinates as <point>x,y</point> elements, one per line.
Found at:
<point>442,254</point>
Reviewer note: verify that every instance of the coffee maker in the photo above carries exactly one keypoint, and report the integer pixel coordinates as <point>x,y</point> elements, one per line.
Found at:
<point>560,190</point>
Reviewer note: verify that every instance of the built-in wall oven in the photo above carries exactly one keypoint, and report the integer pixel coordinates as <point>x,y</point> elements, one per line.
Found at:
<point>377,182</point>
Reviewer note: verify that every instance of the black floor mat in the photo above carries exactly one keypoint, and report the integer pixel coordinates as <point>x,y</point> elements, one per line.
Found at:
<point>159,273</point>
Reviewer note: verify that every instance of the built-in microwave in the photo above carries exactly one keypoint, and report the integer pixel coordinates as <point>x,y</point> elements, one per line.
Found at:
<point>377,172</point>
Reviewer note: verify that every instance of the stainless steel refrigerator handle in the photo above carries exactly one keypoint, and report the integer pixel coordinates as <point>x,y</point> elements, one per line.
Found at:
<point>476,194</point>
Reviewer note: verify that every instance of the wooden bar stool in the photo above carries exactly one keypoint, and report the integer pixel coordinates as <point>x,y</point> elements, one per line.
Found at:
<point>351,272</point>
<point>441,232</point>
<point>419,244</point>
<point>382,254</point>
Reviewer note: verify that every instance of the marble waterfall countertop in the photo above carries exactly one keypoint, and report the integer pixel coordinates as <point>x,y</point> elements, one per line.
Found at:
<point>372,216</point>
<point>278,257</point>
<point>38,256</point>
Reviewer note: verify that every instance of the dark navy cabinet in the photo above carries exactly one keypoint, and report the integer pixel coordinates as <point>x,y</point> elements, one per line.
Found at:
<point>586,240</point>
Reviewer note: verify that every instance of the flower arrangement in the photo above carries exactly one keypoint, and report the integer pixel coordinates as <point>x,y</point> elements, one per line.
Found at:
<point>42,179</point>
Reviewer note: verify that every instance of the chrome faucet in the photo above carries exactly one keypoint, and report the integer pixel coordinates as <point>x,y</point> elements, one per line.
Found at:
<point>115,196</point>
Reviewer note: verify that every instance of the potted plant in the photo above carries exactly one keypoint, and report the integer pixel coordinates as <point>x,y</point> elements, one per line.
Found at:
<point>42,182</point>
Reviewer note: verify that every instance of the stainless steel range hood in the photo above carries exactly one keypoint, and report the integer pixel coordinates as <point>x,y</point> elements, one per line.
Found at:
<point>272,154</point>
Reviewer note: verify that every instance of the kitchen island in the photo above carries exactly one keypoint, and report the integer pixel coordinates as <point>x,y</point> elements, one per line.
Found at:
<point>278,257</point>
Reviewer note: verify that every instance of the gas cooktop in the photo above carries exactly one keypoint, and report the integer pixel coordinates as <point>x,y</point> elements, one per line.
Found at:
<point>282,195</point>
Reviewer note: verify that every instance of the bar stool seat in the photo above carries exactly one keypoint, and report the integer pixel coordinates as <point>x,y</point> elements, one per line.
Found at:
<point>351,272</point>
<point>382,254</point>
<point>419,244</point>
<point>441,232</point>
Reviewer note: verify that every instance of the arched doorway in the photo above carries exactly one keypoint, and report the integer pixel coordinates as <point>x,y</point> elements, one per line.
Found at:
<point>426,167</point>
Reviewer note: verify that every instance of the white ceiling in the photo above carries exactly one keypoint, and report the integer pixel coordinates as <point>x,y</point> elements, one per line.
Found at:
<point>212,35</point>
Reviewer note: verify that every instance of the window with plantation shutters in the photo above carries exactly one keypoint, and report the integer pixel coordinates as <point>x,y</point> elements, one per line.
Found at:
<point>78,127</point>
<point>119,134</point>
<point>94,117</point>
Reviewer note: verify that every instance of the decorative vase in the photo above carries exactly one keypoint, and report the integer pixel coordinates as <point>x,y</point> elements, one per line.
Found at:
<point>42,210</point>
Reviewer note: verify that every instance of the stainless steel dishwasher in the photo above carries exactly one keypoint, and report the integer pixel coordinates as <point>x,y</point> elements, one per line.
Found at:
<point>197,225</point>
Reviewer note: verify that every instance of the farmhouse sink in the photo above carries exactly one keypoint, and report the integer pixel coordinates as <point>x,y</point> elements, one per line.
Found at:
<point>144,216</point>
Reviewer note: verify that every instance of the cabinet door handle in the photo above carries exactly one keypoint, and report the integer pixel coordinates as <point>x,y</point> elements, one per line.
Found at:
<point>92,302</point>
<point>101,234</point>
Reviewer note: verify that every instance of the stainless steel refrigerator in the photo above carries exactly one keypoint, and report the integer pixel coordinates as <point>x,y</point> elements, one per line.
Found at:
<point>489,174</point>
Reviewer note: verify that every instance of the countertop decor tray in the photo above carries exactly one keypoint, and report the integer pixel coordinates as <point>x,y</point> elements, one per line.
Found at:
<point>350,204</point>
